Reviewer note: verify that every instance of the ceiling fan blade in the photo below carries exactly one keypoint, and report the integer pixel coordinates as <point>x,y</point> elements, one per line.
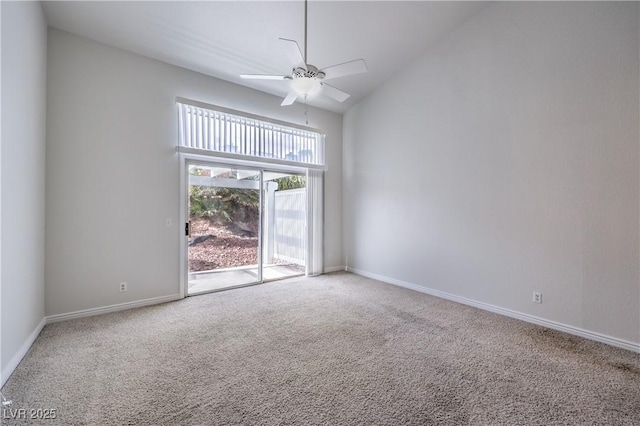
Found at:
<point>294,53</point>
<point>264,77</point>
<point>334,93</point>
<point>291,98</point>
<point>348,68</point>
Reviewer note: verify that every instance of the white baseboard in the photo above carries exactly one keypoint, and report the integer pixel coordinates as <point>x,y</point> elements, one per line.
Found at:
<point>8,370</point>
<point>591,335</point>
<point>112,308</point>
<point>334,269</point>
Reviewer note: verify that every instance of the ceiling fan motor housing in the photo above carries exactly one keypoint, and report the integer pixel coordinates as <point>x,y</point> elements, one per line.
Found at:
<point>310,72</point>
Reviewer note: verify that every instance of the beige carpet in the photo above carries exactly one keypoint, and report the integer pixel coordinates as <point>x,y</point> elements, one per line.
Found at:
<point>333,350</point>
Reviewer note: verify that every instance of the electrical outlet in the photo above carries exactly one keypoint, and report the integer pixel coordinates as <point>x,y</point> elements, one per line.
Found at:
<point>537,297</point>
<point>123,286</point>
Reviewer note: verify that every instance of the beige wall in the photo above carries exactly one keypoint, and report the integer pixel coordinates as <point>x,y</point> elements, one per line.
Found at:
<point>506,160</point>
<point>24,44</point>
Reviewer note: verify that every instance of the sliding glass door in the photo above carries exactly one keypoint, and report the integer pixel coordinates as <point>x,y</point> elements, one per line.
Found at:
<point>245,226</point>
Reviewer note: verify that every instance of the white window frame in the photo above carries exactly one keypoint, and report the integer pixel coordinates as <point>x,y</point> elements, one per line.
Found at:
<point>204,132</point>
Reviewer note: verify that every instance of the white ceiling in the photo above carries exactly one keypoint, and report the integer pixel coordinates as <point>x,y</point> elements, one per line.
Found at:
<point>224,38</point>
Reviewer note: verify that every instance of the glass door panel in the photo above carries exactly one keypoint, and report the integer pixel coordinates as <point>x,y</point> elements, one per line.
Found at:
<point>225,216</point>
<point>285,225</point>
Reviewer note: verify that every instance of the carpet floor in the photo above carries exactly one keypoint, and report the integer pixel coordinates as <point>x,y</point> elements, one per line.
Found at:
<point>338,349</point>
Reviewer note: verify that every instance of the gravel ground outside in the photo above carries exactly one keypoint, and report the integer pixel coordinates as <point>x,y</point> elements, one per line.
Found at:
<point>227,248</point>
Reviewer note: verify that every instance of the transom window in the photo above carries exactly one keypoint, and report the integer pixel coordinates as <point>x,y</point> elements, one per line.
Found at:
<point>223,131</point>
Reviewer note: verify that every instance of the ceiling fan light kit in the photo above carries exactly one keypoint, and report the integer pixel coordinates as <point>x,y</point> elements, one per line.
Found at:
<point>306,86</point>
<point>307,80</point>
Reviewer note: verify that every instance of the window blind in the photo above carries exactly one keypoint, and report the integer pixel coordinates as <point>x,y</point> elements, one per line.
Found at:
<point>220,131</point>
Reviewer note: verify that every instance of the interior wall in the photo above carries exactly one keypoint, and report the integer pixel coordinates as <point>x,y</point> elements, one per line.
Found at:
<point>113,173</point>
<point>506,161</point>
<point>24,43</point>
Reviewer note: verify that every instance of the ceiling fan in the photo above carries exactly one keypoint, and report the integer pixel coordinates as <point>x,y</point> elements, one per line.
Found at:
<point>308,80</point>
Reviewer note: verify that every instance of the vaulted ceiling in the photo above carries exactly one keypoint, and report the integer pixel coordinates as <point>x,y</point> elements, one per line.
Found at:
<point>227,38</point>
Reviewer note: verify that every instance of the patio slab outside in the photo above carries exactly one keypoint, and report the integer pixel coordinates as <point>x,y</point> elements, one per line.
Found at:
<point>202,282</point>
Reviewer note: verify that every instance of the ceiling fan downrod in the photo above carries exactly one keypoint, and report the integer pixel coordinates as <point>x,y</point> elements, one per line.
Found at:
<point>305,31</point>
